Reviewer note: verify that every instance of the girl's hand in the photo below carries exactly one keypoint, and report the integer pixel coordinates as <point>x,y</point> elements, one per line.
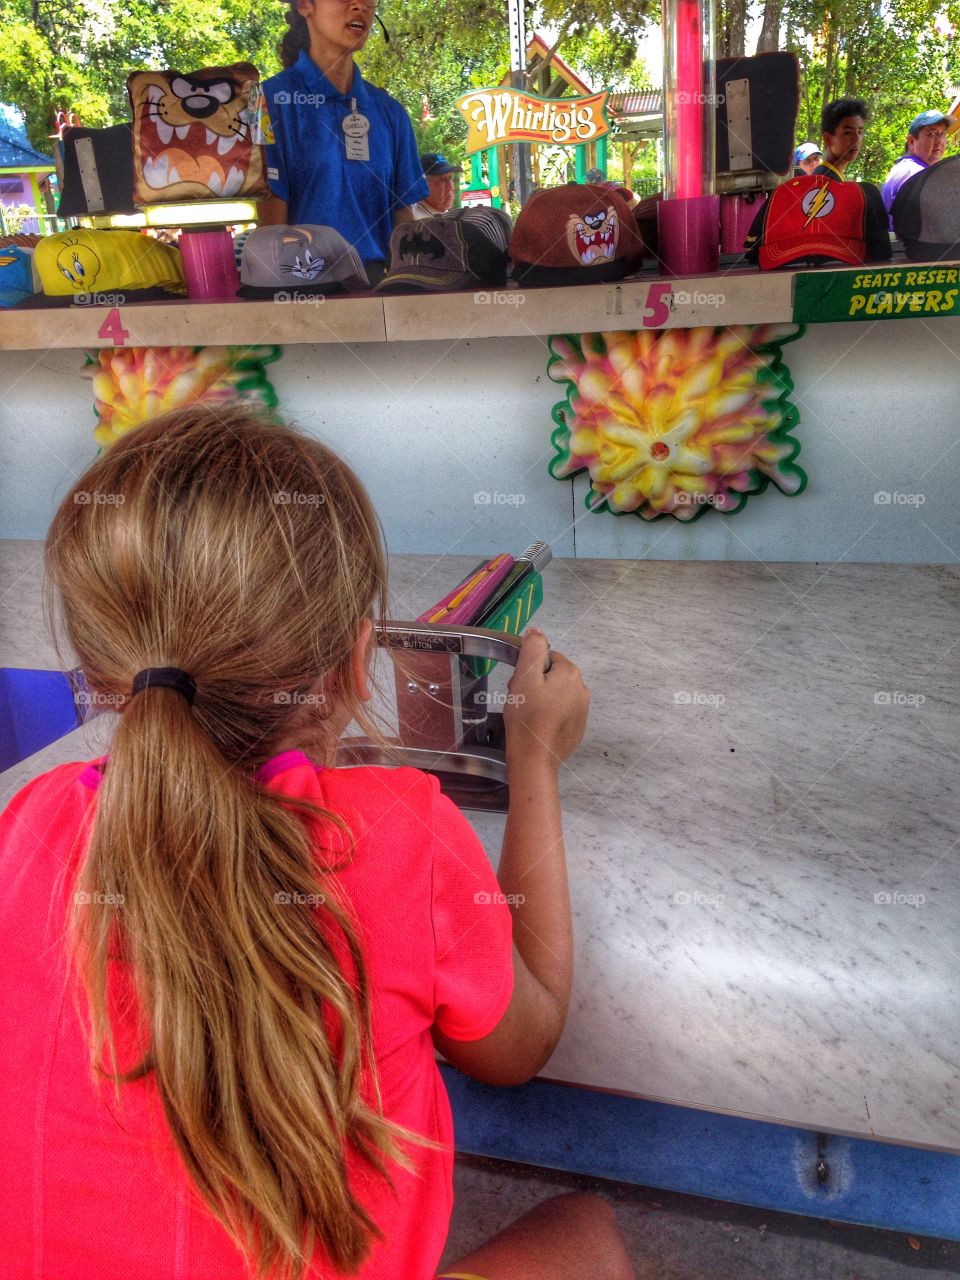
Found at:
<point>546,714</point>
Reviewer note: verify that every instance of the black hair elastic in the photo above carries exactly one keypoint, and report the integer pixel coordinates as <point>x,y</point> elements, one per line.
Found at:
<point>165,678</point>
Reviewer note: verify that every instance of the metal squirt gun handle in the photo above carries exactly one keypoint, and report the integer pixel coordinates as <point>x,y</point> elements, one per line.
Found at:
<point>434,735</point>
<point>464,642</point>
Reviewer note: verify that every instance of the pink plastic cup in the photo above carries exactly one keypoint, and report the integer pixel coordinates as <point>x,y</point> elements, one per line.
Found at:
<point>737,213</point>
<point>689,235</point>
<point>209,264</point>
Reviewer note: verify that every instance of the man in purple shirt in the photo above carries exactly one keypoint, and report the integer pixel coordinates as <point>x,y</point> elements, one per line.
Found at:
<point>926,139</point>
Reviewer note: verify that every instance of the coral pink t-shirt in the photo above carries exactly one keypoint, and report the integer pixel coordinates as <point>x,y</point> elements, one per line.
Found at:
<point>88,1192</point>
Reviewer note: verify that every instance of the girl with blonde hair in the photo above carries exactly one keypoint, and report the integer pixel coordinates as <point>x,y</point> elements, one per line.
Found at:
<point>228,964</point>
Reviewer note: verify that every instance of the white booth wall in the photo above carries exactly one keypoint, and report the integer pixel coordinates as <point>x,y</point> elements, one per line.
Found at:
<point>452,439</point>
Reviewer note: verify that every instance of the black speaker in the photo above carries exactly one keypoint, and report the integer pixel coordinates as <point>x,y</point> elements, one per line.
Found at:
<point>757,103</point>
<point>97,172</point>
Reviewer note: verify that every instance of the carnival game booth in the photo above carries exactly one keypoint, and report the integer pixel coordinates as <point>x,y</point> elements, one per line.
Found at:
<point>747,480</point>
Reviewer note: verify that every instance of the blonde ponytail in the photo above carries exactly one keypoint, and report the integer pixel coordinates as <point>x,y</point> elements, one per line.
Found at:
<point>218,895</point>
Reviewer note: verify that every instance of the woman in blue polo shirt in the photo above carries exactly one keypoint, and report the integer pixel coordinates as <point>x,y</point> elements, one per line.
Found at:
<point>344,153</point>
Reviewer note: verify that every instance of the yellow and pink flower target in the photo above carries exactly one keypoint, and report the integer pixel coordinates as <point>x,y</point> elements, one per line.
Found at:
<point>673,421</point>
<point>134,384</point>
<point>666,422</point>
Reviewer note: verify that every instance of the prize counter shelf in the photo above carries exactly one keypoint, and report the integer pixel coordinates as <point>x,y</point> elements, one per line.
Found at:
<point>735,296</point>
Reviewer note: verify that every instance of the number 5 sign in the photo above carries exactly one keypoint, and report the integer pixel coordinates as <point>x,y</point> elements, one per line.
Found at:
<point>656,311</point>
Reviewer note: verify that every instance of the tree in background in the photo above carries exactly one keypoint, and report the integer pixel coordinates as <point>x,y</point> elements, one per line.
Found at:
<point>437,54</point>
<point>76,54</point>
<point>601,37</point>
<point>892,55</point>
<point>901,56</point>
<point>443,53</point>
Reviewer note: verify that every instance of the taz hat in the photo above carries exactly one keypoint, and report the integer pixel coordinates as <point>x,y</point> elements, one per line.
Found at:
<point>80,263</point>
<point>458,250</point>
<point>575,235</point>
<point>926,212</point>
<point>300,259</point>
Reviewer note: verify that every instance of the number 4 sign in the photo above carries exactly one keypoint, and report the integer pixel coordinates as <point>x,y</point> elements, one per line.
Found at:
<point>112,329</point>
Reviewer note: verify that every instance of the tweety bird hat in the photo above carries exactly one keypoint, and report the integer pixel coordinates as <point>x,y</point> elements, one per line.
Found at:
<point>92,262</point>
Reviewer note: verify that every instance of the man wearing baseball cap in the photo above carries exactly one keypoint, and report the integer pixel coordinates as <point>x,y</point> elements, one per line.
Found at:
<point>806,158</point>
<point>926,140</point>
<point>439,175</point>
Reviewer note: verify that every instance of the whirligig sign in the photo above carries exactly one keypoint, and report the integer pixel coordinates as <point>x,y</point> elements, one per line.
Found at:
<point>501,115</point>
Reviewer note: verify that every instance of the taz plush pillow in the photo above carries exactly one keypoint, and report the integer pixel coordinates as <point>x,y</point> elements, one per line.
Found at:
<point>195,135</point>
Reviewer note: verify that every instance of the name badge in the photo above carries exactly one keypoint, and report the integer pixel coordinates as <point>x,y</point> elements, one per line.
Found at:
<point>355,129</point>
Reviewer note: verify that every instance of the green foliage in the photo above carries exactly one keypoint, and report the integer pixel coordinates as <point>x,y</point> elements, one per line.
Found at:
<point>439,53</point>
<point>76,54</point>
<point>606,58</point>
<point>890,54</point>
<point>445,53</point>
<point>622,19</point>
<point>643,178</point>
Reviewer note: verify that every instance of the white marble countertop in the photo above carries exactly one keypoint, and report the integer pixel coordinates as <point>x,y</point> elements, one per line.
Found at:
<point>763,856</point>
